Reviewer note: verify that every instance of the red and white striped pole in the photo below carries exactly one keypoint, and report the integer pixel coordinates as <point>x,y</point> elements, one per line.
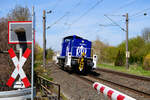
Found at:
<point>110,93</point>
<point>18,69</point>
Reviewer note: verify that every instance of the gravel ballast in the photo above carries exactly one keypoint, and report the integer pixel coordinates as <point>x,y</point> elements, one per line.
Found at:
<point>72,87</point>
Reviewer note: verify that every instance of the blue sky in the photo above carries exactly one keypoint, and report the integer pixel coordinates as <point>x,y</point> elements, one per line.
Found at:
<point>83,18</point>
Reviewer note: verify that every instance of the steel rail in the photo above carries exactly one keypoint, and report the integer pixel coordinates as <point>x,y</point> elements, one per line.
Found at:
<point>91,79</point>
<point>125,74</point>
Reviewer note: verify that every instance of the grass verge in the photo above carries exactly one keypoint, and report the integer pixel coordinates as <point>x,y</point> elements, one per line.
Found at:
<point>136,70</point>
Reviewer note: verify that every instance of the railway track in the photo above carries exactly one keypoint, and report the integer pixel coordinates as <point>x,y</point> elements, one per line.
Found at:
<point>136,82</point>
<point>124,74</point>
<point>91,79</point>
<point>97,76</point>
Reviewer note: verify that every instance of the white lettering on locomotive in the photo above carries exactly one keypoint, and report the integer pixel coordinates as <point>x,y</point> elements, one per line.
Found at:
<point>80,50</point>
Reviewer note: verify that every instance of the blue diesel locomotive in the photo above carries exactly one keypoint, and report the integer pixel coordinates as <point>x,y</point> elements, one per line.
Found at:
<point>76,54</point>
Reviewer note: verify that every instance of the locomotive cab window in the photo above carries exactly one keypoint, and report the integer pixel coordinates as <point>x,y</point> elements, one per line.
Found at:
<point>67,40</point>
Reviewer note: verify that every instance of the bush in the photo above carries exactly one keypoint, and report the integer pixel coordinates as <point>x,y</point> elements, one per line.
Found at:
<point>40,70</point>
<point>137,48</point>
<point>146,63</point>
<point>38,52</point>
<point>49,54</point>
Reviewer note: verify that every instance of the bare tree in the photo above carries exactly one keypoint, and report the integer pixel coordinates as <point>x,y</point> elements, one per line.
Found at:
<point>146,34</point>
<point>19,14</point>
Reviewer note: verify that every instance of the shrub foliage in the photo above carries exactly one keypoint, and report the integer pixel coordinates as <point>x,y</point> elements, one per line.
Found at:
<point>138,48</point>
<point>146,63</point>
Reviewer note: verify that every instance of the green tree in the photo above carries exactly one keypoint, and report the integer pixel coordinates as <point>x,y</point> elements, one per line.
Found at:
<point>111,53</point>
<point>106,53</point>
<point>137,49</point>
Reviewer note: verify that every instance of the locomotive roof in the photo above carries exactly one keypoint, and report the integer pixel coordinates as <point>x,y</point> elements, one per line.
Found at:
<point>71,37</point>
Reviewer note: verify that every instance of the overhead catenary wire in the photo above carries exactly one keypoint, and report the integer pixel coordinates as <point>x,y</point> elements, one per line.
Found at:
<point>106,25</point>
<point>56,4</point>
<point>58,20</point>
<point>85,13</point>
<point>66,14</point>
<point>114,23</point>
<point>124,6</point>
<point>121,7</point>
<point>113,15</point>
<point>139,12</point>
<point>66,22</point>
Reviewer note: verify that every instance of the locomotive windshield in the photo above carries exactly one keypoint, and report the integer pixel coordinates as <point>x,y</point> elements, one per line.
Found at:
<point>68,38</point>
